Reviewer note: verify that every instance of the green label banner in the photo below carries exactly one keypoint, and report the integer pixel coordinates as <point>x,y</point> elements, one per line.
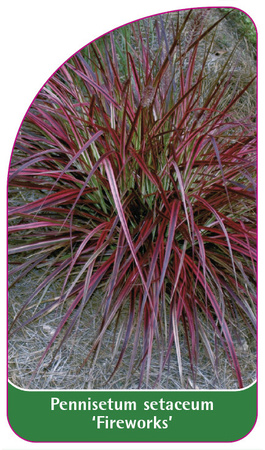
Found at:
<point>132,416</point>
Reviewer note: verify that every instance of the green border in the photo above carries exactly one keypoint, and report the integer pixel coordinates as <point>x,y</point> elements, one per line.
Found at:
<point>231,418</point>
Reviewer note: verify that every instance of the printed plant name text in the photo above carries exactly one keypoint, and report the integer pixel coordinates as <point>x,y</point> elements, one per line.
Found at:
<point>105,422</point>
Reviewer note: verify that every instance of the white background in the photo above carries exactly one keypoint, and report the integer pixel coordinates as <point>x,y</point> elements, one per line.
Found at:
<point>36,38</point>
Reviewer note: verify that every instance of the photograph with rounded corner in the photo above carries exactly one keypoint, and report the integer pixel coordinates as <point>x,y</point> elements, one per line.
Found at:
<point>132,212</point>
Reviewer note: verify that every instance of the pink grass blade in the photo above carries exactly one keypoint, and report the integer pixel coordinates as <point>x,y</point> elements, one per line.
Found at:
<point>135,76</point>
<point>56,243</point>
<point>116,197</point>
<point>171,234</point>
<point>180,266</point>
<point>128,286</point>
<point>183,195</point>
<point>215,146</point>
<point>222,322</point>
<point>96,86</point>
<point>79,252</point>
<point>220,221</point>
<point>91,173</point>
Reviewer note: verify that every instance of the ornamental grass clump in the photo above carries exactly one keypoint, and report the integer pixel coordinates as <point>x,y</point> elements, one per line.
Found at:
<point>137,181</point>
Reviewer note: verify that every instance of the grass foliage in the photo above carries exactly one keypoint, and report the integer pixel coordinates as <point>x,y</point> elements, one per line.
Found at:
<point>137,173</point>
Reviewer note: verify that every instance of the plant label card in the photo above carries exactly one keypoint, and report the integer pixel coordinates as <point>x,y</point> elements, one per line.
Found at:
<point>132,238</point>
